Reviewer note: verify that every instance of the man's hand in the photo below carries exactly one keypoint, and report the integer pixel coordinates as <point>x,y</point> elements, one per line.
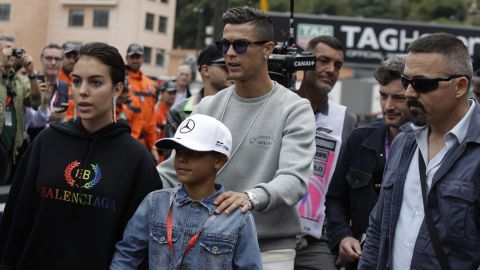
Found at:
<point>230,200</point>
<point>27,62</point>
<point>349,249</point>
<point>46,92</point>
<point>58,114</point>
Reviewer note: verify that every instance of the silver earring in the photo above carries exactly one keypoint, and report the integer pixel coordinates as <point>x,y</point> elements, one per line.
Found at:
<point>115,109</point>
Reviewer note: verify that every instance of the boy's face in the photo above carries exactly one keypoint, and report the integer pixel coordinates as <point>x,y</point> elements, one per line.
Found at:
<point>194,167</point>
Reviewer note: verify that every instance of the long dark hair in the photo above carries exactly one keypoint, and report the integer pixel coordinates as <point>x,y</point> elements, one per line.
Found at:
<point>108,55</point>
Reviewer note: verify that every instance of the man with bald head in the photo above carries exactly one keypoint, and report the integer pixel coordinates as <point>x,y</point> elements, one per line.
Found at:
<point>184,77</point>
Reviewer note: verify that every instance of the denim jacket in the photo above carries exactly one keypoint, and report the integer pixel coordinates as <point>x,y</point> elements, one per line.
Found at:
<point>453,201</point>
<point>229,242</point>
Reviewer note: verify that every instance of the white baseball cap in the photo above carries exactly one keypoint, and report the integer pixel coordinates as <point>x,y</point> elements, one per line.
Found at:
<point>200,133</point>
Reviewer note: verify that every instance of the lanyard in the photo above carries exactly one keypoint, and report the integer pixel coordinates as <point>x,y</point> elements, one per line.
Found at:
<point>192,241</point>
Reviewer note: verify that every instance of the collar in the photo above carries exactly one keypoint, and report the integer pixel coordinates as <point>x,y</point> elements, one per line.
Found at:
<point>460,132</point>
<point>182,198</point>
<point>460,129</point>
<point>376,139</point>
<point>136,75</point>
<point>323,109</point>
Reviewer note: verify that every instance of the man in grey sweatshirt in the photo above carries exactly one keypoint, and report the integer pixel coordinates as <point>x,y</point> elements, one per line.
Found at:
<point>273,133</point>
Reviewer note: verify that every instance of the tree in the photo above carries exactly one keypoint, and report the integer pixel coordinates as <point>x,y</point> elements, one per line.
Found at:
<point>194,15</point>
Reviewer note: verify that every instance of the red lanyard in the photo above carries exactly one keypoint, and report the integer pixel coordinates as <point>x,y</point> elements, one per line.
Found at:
<point>8,101</point>
<point>192,241</point>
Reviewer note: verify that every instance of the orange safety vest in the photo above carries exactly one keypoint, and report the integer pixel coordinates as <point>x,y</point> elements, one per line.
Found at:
<point>71,105</point>
<point>141,88</point>
<point>132,113</point>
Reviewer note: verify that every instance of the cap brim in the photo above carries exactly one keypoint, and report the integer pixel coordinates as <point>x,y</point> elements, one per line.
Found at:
<point>219,61</point>
<point>69,51</point>
<point>172,143</point>
<point>133,53</point>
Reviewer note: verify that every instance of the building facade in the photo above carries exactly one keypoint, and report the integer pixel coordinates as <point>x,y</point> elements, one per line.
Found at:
<point>116,22</point>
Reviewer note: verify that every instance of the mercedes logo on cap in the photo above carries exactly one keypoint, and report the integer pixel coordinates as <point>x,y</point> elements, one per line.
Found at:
<point>189,126</point>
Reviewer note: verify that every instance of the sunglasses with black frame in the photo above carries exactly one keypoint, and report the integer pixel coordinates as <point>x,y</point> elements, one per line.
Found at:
<point>425,85</point>
<point>240,46</point>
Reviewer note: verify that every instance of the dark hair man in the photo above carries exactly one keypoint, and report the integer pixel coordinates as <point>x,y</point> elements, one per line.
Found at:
<point>214,73</point>
<point>15,91</point>
<point>273,138</point>
<point>356,181</point>
<point>434,165</point>
<point>334,122</point>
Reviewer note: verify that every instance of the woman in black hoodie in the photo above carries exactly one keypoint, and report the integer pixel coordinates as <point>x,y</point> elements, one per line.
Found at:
<point>80,181</point>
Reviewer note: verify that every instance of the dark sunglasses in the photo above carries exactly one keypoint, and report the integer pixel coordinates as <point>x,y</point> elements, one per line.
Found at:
<point>240,46</point>
<point>425,85</point>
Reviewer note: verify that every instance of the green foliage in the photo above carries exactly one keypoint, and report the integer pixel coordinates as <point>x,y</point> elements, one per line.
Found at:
<point>194,15</point>
<point>434,10</point>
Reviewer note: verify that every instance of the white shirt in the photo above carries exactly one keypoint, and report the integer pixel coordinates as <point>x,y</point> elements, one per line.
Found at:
<point>411,212</point>
<point>180,97</point>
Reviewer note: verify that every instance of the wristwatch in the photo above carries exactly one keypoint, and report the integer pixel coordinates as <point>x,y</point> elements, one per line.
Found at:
<point>252,198</point>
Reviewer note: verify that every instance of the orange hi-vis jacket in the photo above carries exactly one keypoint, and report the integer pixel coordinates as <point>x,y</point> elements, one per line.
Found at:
<point>132,113</point>
<point>143,89</point>
<point>71,105</point>
<point>161,112</point>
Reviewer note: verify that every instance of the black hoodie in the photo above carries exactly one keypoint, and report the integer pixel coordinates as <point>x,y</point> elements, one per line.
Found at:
<point>72,196</point>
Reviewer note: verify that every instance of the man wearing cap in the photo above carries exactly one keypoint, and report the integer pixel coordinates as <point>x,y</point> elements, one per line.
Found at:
<point>143,89</point>
<point>168,91</point>
<point>213,70</point>
<point>70,56</point>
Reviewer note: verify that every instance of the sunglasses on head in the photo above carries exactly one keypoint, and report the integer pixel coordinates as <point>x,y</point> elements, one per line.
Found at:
<point>424,85</point>
<point>240,46</point>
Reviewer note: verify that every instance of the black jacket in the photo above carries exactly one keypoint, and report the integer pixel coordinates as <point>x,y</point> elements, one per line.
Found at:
<point>72,196</point>
<point>355,184</point>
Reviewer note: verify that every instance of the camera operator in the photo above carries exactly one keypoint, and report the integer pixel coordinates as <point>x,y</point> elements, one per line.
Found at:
<point>15,91</point>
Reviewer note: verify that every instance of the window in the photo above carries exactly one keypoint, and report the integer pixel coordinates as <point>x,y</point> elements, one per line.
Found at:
<point>4,12</point>
<point>162,24</point>
<point>149,21</point>
<point>164,1</point>
<point>147,54</point>
<point>75,17</point>
<point>160,57</point>
<point>100,18</point>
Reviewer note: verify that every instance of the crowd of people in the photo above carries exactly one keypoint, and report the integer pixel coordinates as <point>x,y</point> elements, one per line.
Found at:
<point>110,170</point>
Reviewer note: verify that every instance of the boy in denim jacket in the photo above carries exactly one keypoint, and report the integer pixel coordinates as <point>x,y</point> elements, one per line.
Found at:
<point>178,227</point>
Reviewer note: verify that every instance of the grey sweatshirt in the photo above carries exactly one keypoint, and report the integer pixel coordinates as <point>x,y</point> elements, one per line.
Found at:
<point>272,153</point>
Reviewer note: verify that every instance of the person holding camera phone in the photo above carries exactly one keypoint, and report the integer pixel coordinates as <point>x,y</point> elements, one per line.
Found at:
<point>54,90</point>
<point>15,91</point>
